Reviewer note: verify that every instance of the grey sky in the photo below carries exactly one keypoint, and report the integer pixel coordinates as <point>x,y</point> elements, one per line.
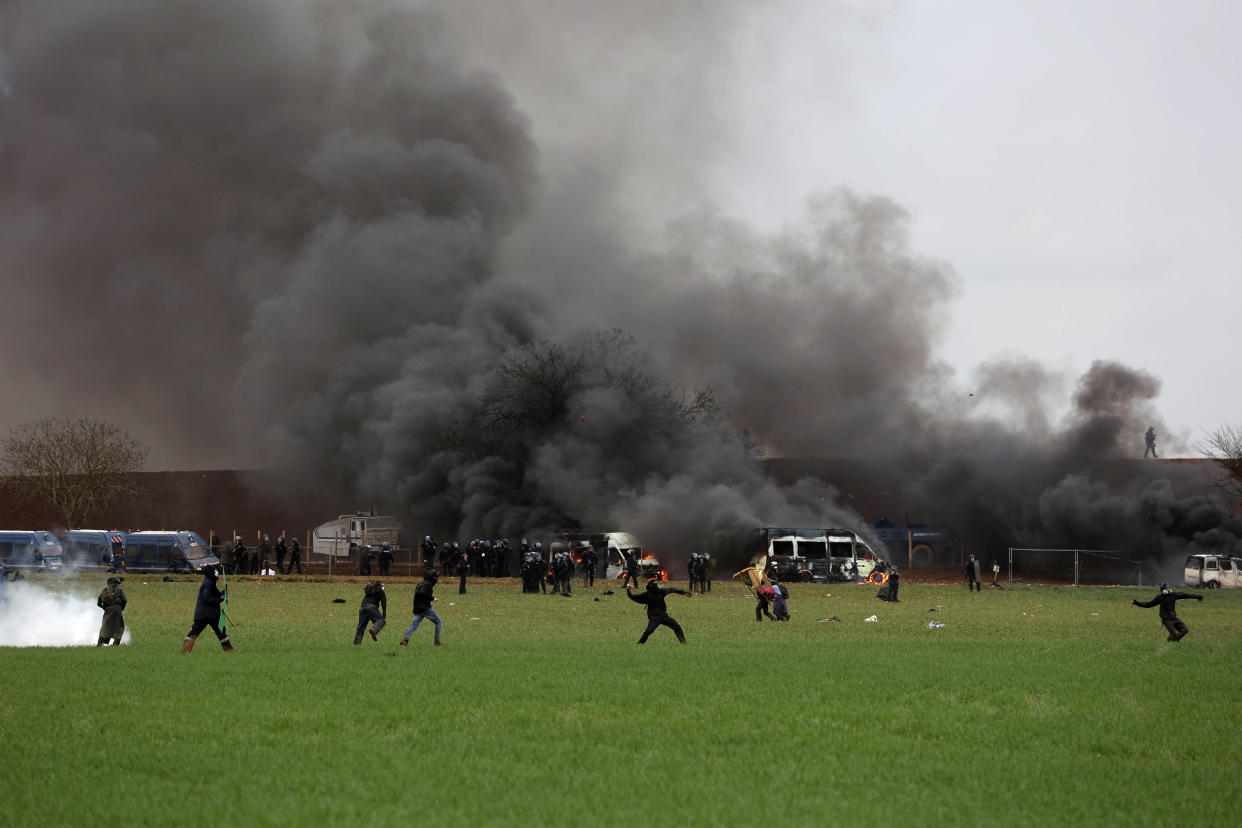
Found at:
<point>1076,164</point>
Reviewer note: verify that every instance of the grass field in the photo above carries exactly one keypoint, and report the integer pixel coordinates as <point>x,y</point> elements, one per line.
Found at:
<point>1032,706</point>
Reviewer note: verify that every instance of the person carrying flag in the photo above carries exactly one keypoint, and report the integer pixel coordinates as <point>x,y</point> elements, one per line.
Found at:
<point>209,612</point>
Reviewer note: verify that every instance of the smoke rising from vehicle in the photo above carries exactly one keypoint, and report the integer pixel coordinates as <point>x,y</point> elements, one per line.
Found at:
<point>39,617</point>
<point>306,235</point>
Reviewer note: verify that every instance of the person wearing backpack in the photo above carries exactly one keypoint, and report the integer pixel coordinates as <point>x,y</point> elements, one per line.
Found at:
<point>779,593</point>
<point>374,610</point>
<point>112,601</point>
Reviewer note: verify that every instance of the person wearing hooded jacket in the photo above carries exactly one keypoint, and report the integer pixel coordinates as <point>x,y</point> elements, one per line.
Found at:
<point>1167,600</point>
<point>973,582</point>
<point>207,612</point>
<point>423,597</point>
<point>657,609</point>
<point>374,610</point>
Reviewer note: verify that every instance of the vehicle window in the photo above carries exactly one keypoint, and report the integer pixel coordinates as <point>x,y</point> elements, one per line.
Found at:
<point>841,549</point>
<point>813,548</point>
<point>1211,563</point>
<point>146,552</point>
<point>6,549</point>
<point>1226,566</point>
<point>167,550</point>
<point>782,547</point>
<point>1194,563</point>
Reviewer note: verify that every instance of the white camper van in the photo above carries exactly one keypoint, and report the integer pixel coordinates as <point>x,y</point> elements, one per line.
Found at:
<point>1213,571</point>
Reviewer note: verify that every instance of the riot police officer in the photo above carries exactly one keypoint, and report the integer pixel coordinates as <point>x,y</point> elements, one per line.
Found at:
<point>428,550</point>
<point>295,556</point>
<point>590,561</point>
<point>281,551</point>
<point>385,558</point>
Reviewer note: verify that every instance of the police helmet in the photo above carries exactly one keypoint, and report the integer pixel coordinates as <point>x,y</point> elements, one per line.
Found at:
<point>427,539</point>
<point>538,545</point>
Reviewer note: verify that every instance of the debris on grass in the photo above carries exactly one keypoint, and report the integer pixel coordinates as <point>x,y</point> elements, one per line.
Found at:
<point>934,625</point>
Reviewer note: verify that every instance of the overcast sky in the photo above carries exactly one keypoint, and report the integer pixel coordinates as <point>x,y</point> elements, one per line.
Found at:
<point>1076,164</point>
<point>1073,165</point>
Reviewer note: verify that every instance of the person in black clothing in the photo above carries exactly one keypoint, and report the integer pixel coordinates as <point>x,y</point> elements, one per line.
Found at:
<point>428,549</point>
<point>424,594</point>
<point>365,553</point>
<point>973,582</point>
<point>590,562</point>
<point>241,557</point>
<point>207,612</point>
<point>463,566</point>
<point>657,610</point>
<point>888,592</point>
<point>385,558</point>
<point>295,557</point>
<point>374,609</point>
<point>1167,600</point>
<point>281,551</point>
<point>631,567</point>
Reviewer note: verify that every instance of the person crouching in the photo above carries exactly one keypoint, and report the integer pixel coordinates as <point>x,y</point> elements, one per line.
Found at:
<point>374,611</point>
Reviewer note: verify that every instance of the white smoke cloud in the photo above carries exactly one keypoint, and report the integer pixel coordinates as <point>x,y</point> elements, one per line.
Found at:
<point>36,616</point>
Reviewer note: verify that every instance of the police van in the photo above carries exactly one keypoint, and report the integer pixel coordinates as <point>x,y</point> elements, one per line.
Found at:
<point>35,550</point>
<point>167,552</point>
<point>1213,571</point>
<point>94,548</point>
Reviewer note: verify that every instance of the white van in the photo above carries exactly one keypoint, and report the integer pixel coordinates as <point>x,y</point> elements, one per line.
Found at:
<point>342,537</point>
<point>1213,571</point>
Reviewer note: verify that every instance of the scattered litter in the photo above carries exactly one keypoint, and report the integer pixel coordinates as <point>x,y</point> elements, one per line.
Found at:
<point>452,603</point>
<point>1095,613</point>
<point>934,625</point>
<point>476,618</point>
<point>597,600</point>
<point>872,618</point>
<point>934,609</point>
<point>338,600</point>
<point>822,620</point>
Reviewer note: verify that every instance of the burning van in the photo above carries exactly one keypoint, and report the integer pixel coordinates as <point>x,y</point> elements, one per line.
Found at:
<point>1213,571</point>
<point>820,555</point>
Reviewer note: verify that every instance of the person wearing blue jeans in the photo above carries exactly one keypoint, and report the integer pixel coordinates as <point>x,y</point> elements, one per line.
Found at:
<point>422,606</point>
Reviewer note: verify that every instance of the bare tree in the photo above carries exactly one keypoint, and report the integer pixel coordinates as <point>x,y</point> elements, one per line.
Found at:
<point>1224,447</point>
<point>79,464</point>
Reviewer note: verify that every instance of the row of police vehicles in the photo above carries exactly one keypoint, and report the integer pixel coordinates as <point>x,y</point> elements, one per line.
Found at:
<point>104,549</point>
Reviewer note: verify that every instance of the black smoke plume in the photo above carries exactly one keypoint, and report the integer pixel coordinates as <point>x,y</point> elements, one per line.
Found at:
<point>323,237</point>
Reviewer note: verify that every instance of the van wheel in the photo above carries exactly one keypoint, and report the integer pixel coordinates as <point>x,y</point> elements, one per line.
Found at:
<point>922,555</point>
<point>1213,584</point>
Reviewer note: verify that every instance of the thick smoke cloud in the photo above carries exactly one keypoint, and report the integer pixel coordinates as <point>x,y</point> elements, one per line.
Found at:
<point>307,234</point>
<point>39,617</point>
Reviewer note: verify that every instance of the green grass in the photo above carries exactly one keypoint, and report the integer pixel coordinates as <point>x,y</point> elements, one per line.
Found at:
<point>1033,706</point>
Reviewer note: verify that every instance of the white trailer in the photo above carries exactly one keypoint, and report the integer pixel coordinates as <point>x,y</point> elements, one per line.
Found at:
<point>342,537</point>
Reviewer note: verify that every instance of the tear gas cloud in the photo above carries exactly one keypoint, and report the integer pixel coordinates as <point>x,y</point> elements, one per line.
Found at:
<point>46,617</point>
<point>327,227</point>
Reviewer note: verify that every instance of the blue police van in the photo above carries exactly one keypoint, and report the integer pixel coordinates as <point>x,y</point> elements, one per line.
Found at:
<point>167,552</point>
<point>94,548</point>
<point>31,551</point>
